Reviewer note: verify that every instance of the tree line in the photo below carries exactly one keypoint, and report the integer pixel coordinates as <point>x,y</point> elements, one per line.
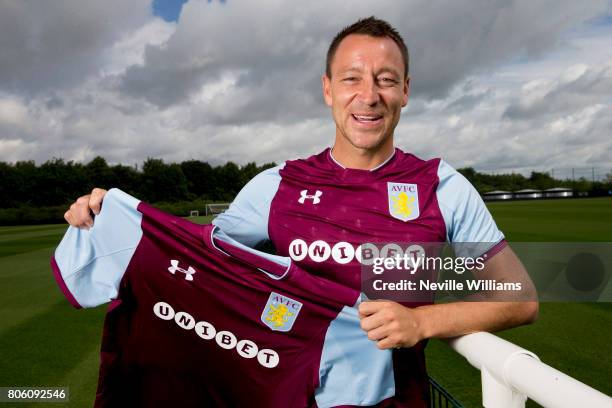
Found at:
<point>40,194</point>
<point>33,194</point>
<point>536,180</point>
<point>60,182</point>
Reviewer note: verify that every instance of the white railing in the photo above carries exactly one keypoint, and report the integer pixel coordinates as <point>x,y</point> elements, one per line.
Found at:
<point>511,374</point>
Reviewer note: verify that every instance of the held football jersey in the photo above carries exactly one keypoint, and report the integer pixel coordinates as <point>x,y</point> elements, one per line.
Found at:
<point>319,214</point>
<point>198,319</point>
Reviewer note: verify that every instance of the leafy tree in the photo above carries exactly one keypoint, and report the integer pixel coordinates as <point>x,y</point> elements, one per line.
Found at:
<point>542,181</point>
<point>126,178</point>
<point>162,182</point>
<point>99,174</point>
<point>200,177</point>
<point>9,186</point>
<point>581,186</point>
<point>59,182</point>
<point>229,181</point>
<point>26,178</point>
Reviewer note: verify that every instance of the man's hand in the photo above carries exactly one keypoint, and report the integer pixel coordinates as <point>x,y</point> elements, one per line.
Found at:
<point>390,324</point>
<point>79,213</point>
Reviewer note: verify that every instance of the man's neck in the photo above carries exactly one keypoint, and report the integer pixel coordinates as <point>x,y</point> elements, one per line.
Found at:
<point>361,159</point>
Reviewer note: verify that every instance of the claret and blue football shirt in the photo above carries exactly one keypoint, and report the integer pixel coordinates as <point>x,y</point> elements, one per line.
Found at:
<point>198,319</point>
<point>319,214</point>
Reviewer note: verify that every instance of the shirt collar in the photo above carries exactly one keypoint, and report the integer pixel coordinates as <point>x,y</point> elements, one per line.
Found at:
<point>331,156</point>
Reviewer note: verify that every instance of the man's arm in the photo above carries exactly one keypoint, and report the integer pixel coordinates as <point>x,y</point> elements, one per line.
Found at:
<point>467,222</point>
<point>393,325</point>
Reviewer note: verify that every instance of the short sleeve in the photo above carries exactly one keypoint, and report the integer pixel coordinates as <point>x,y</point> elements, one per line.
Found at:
<point>246,220</point>
<point>466,216</point>
<point>89,264</point>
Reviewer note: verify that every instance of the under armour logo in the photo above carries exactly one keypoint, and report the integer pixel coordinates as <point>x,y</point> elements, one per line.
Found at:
<point>314,197</point>
<point>174,267</point>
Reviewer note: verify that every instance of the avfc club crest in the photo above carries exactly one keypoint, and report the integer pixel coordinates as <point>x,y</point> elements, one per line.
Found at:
<point>280,312</point>
<point>403,201</point>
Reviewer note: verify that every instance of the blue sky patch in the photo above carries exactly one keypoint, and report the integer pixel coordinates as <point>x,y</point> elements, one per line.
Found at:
<point>169,10</point>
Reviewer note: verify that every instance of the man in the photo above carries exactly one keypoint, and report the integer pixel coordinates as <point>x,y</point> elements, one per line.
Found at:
<point>320,210</point>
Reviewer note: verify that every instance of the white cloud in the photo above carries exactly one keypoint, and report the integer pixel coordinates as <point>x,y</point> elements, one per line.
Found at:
<point>576,87</point>
<point>17,147</point>
<point>12,112</point>
<point>130,49</point>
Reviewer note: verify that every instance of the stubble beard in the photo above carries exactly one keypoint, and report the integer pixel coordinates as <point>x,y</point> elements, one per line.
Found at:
<point>369,144</point>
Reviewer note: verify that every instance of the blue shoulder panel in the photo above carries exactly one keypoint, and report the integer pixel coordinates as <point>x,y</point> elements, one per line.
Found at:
<point>353,370</point>
<point>246,220</point>
<point>466,216</point>
<point>92,262</point>
<point>218,233</point>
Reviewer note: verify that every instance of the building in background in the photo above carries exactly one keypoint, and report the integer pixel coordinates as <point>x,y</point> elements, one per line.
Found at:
<point>558,192</point>
<point>498,195</point>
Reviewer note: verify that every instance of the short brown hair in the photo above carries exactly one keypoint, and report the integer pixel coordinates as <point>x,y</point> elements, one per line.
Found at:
<point>373,27</point>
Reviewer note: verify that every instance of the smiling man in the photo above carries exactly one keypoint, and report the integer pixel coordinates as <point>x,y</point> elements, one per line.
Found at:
<point>366,86</point>
<point>319,211</point>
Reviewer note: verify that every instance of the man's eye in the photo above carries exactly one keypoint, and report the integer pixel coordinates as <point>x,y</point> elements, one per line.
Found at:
<point>388,80</point>
<point>350,79</point>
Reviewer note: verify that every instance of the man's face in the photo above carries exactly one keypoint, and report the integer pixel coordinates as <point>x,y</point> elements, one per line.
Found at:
<point>366,91</point>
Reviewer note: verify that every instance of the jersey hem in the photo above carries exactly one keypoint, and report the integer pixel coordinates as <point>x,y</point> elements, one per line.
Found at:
<point>57,274</point>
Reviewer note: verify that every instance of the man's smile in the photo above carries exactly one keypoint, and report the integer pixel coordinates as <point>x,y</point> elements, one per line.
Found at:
<point>367,119</point>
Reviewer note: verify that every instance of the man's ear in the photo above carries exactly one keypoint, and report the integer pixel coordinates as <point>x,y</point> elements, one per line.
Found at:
<point>406,92</point>
<point>326,83</point>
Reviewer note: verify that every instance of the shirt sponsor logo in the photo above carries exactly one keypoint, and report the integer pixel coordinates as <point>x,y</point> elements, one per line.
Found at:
<point>280,312</point>
<point>174,267</point>
<point>344,252</point>
<point>403,201</point>
<point>316,197</point>
<point>320,251</point>
<point>225,339</point>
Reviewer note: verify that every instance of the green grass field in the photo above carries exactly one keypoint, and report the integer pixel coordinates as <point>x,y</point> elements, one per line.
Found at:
<point>44,342</point>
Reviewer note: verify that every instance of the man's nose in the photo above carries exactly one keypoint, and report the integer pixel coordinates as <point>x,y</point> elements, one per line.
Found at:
<point>369,92</point>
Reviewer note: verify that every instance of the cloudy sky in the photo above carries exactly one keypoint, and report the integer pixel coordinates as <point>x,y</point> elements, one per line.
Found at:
<point>495,84</point>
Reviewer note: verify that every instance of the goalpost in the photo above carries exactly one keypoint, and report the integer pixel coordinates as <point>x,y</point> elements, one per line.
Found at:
<point>216,209</point>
